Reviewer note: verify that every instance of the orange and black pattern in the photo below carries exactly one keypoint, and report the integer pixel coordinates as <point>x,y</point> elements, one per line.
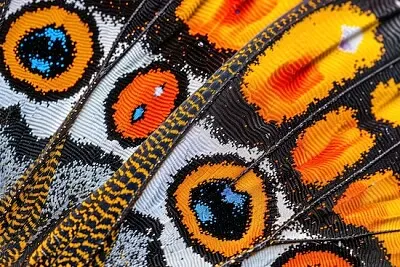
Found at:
<point>187,133</point>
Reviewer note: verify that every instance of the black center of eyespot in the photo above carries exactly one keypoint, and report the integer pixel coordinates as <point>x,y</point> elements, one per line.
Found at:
<point>138,113</point>
<point>47,51</point>
<point>220,210</point>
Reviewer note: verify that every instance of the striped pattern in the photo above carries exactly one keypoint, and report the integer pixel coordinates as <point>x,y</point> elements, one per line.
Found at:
<point>21,207</point>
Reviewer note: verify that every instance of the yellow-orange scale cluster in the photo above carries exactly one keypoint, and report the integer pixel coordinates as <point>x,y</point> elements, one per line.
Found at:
<point>220,20</point>
<point>374,203</point>
<point>325,149</point>
<point>309,60</point>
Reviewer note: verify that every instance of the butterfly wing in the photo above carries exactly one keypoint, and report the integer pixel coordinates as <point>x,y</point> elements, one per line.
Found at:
<point>313,180</point>
<point>306,180</point>
<point>132,172</point>
<point>132,67</point>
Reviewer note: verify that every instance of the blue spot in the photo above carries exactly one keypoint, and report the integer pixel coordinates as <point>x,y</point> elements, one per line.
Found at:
<point>203,213</point>
<point>138,113</point>
<point>40,64</point>
<point>231,197</point>
<point>55,35</point>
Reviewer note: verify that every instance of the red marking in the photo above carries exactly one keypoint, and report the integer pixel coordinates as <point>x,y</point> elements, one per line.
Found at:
<point>232,10</point>
<point>294,79</point>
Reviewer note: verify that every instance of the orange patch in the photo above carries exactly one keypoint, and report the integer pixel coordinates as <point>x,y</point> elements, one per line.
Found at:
<point>326,148</point>
<point>77,30</point>
<point>145,103</point>
<point>291,80</point>
<point>386,102</point>
<point>305,64</point>
<point>374,203</point>
<point>250,183</point>
<point>219,20</point>
<point>317,259</point>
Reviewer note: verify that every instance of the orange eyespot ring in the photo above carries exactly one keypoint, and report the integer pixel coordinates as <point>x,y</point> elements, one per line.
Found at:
<point>141,101</point>
<point>316,255</point>
<point>216,214</point>
<point>47,51</point>
<point>317,258</point>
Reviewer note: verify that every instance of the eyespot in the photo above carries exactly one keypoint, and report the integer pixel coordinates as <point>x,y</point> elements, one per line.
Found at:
<point>141,101</point>
<point>47,51</point>
<point>216,214</point>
